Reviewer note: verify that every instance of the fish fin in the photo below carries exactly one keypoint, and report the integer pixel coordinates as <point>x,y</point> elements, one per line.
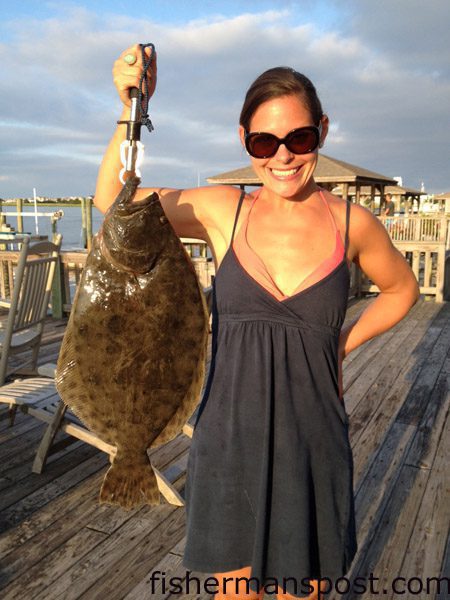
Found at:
<point>130,485</point>
<point>190,401</point>
<point>184,412</point>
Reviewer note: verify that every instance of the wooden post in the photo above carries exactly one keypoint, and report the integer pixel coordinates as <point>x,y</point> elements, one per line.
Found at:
<point>408,206</point>
<point>19,214</point>
<point>345,191</point>
<point>83,222</point>
<point>418,228</point>
<point>381,198</point>
<point>443,229</point>
<point>58,295</point>
<point>440,275</point>
<point>88,210</point>
<point>54,223</point>
<point>372,198</point>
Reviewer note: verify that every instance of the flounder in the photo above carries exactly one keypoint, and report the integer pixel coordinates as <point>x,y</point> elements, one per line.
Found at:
<point>132,361</point>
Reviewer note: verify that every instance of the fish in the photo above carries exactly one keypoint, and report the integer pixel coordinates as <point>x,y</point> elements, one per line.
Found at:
<point>132,361</point>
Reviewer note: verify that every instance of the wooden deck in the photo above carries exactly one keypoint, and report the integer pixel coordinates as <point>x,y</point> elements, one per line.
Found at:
<point>56,542</point>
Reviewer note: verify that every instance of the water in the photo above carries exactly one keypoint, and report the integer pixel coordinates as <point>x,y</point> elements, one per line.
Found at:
<point>69,225</point>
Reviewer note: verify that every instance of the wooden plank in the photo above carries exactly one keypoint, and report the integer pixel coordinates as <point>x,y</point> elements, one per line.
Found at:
<point>431,427</point>
<point>356,308</point>
<point>161,456</point>
<point>114,583</point>
<point>125,518</point>
<point>38,578</point>
<point>27,390</point>
<point>73,429</point>
<point>370,422</point>
<point>385,533</point>
<point>19,467</point>
<point>414,406</point>
<point>166,578</point>
<point>381,552</point>
<point>22,548</point>
<point>48,438</point>
<point>57,514</point>
<point>21,424</point>
<point>444,592</point>
<point>18,443</point>
<point>28,496</point>
<point>156,588</point>
<point>380,373</point>
<point>357,362</point>
<point>170,564</point>
<point>107,563</point>
<point>57,526</point>
<point>58,291</point>
<point>428,540</point>
<point>22,437</point>
<point>167,490</point>
<point>373,490</point>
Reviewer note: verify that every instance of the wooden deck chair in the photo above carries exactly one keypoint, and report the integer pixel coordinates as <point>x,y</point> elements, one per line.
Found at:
<point>29,295</point>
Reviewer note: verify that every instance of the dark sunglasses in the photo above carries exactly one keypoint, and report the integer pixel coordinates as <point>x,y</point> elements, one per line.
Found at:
<point>297,141</point>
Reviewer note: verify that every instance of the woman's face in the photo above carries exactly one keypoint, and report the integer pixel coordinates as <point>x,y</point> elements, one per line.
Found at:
<point>286,174</point>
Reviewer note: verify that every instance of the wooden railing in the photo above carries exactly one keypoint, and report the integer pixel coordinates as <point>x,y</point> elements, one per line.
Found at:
<point>423,241</point>
<point>72,264</point>
<point>433,228</point>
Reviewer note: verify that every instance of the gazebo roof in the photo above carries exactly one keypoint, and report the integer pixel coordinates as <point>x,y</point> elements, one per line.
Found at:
<point>328,170</point>
<point>403,191</point>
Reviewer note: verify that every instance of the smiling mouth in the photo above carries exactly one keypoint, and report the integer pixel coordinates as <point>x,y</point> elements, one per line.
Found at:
<point>286,172</point>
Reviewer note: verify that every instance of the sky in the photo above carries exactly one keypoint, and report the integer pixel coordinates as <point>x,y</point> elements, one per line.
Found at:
<point>381,68</point>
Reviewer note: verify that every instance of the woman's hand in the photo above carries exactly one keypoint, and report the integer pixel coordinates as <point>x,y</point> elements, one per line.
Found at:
<point>126,76</point>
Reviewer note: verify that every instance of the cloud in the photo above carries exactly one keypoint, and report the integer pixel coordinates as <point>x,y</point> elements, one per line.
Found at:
<point>413,33</point>
<point>387,100</point>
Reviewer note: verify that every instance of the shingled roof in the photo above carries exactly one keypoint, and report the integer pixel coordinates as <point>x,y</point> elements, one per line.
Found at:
<point>328,170</point>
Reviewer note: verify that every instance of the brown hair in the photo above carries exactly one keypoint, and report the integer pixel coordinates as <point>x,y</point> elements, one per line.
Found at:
<point>276,82</point>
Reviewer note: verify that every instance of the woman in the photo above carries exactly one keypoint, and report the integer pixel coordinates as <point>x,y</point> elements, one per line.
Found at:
<point>269,484</point>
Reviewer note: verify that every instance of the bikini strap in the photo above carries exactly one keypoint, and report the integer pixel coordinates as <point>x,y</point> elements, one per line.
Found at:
<point>238,210</point>
<point>347,222</point>
<point>333,222</point>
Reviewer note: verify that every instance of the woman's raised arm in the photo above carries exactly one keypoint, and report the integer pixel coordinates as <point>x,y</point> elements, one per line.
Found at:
<point>125,77</point>
<point>192,212</point>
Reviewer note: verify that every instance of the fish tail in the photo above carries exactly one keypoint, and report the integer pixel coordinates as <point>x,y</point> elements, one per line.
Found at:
<point>130,484</point>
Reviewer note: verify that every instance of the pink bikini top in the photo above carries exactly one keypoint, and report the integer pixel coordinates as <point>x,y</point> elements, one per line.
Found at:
<point>256,268</point>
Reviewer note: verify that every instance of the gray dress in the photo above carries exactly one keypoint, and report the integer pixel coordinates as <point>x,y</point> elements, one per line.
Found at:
<point>270,470</point>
